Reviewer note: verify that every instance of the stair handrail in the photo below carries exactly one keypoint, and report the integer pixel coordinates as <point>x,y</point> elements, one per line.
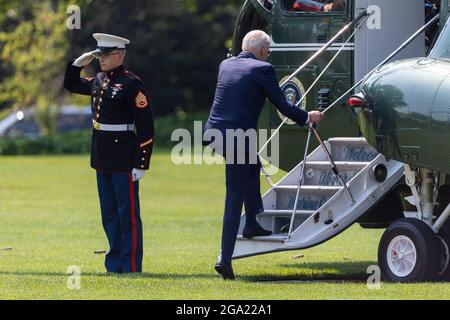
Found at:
<point>388,58</point>
<point>364,15</point>
<point>312,127</point>
<point>300,182</point>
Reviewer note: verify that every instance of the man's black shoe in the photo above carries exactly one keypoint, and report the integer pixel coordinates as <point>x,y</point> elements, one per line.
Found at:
<point>225,270</point>
<point>257,231</point>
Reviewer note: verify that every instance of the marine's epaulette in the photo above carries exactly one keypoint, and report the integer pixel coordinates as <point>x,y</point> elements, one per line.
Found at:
<point>131,75</point>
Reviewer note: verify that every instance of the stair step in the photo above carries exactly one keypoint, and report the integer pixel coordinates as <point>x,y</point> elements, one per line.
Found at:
<point>348,140</point>
<point>339,164</point>
<point>320,172</point>
<point>313,188</point>
<point>288,213</point>
<point>352,149</point>
<point>318,218</point>
<point>274,238</point>
<point>276,220</point>
<point>311,198</point>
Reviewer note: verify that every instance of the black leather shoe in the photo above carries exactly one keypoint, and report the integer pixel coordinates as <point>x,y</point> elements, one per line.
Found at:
<point>257,231</point>
<point>224,269</point>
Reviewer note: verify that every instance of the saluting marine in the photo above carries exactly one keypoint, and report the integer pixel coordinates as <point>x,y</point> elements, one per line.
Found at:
<point>122,144</point>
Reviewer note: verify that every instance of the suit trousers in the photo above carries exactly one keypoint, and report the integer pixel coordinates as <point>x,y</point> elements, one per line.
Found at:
<point>242,188</point>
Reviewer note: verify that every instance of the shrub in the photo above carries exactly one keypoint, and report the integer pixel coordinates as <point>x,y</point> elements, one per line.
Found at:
<point>79,142</point>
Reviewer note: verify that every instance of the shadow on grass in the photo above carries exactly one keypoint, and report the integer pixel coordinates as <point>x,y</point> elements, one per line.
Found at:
<point>304,272</point>
<point>351,271</point>
<point>144,275</point>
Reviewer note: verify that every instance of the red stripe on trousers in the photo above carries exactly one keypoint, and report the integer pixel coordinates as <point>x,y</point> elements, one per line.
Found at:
<point>134,226</point>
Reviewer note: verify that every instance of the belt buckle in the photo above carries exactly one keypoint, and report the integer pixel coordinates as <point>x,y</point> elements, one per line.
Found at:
<point>96,125</point>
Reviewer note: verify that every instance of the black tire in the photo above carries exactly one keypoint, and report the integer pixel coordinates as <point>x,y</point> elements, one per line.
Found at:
<point>427,249</point>
<point>444,233</point>
<point>444,237</point>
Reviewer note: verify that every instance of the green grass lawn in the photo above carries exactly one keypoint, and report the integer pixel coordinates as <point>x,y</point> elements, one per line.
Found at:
<point>49,215</point>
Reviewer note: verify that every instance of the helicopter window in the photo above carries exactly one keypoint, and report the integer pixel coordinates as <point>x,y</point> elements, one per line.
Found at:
<point>314,6</point>
<point>266,4</point>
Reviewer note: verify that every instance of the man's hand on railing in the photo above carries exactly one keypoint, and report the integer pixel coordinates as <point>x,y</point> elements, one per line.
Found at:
<point>315,117</point>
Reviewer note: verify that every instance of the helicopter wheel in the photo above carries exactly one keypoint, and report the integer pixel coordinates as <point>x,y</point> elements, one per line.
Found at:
<point>409,251</point>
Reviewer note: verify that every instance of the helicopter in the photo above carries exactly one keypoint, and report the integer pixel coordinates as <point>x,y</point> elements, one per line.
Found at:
<point>296,35</point>
<point>403,112</point>
<point>390,180</point>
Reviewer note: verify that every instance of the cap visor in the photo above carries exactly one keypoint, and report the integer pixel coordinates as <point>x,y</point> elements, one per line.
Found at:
<point>105,49</point>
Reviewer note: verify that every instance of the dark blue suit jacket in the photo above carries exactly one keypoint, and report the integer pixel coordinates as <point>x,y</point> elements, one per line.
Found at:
<point>243,85</point>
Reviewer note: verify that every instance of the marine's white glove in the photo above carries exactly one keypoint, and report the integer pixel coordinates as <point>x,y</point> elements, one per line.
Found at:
<point>137,174</point>
<point>84,59</point>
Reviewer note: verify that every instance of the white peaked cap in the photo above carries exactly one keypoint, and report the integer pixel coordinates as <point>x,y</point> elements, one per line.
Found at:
<point>108,41</point>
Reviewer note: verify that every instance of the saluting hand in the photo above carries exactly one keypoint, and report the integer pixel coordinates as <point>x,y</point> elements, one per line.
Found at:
<point>315,116</point>
<point>84,59</point>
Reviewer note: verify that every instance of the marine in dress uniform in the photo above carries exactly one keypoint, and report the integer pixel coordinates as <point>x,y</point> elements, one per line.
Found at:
<point>244,83</point>
<point>122,143</point>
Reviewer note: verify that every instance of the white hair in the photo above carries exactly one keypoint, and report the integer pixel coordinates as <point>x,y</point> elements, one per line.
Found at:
<point>255,40</point>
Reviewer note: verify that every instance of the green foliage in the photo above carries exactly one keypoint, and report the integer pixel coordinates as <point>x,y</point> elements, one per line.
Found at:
<point>75,142</point>
<point>165,126</point>
<point>78,142</point>
<point>176,49</point>
<point>33,49</point>
<point>176,46</point>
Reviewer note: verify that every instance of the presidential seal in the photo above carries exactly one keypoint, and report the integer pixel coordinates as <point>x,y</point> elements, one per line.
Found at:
<point>294,91</point>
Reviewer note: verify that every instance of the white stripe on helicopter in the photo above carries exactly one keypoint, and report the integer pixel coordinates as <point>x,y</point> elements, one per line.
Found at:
<point>310,49</point>
<point>275,45</point>
<point>309,46</point>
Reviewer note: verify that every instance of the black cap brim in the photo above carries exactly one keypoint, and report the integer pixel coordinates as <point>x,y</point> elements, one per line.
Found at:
<point>105,50</point>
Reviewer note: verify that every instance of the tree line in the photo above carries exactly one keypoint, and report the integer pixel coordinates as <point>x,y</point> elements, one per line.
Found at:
<point>176,48</point>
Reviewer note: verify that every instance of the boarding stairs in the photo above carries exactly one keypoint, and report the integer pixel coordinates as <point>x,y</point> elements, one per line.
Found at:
<point>324,207</point>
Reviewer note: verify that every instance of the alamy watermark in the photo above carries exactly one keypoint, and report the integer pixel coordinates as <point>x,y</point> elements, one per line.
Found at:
<point>374,280</point>
<point>374,20</point>
<point>73,22</point>
<point>233,146</point>
<point>74,278</point>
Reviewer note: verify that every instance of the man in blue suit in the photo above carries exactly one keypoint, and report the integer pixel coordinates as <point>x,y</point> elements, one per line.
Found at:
<point>244,84</point>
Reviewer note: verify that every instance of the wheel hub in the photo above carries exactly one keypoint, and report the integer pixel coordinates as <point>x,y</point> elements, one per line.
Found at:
<point>401,256</point>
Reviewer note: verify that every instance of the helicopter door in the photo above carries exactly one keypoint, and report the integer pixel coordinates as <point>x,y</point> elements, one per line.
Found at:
<point>297,32</point>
